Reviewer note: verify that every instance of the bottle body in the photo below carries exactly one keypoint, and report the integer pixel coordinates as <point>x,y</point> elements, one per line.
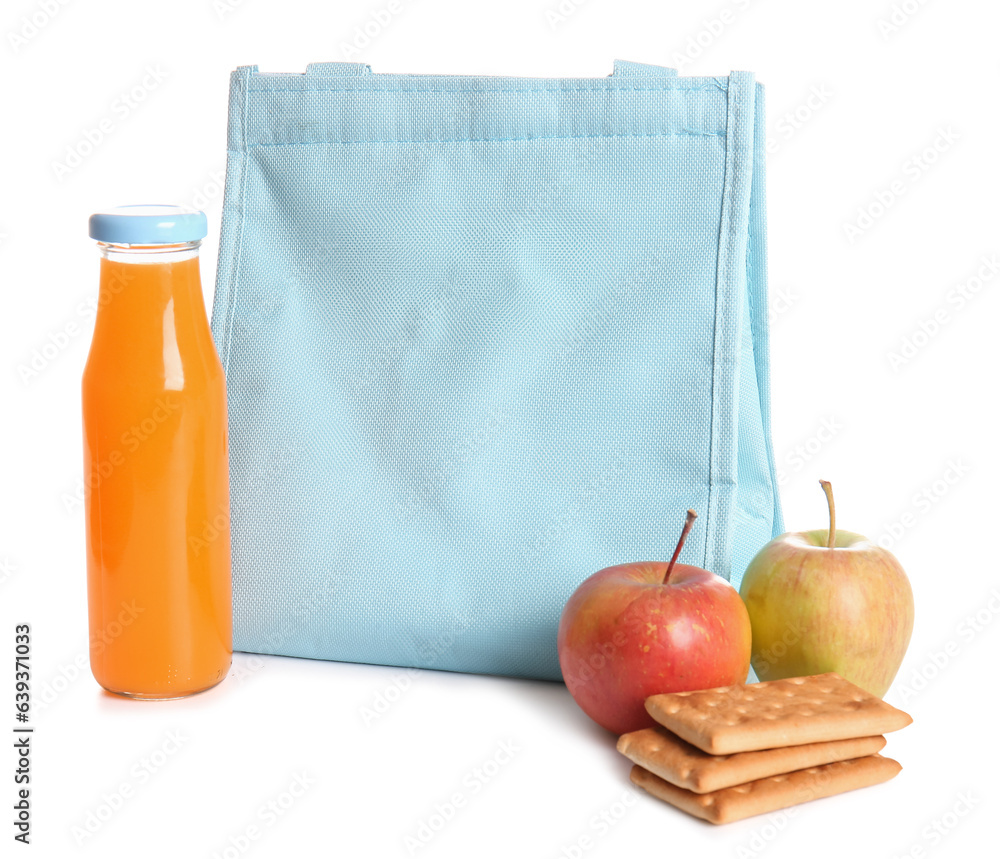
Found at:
<point>156,480</point>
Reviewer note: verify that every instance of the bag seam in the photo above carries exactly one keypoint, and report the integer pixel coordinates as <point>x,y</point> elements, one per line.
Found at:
<point>474,90</point>
<point>723,284</point>
<point>760,326</point>
<point>498,139</point>
<point>238,250</point>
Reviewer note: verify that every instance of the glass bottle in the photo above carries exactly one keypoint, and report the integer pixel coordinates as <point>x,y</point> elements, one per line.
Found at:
<point>156,467</point>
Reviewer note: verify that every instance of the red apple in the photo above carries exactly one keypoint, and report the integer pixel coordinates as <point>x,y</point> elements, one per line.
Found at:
<point>635,630</point>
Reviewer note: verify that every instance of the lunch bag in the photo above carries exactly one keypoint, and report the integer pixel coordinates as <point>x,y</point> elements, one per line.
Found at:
<point>483,337</point>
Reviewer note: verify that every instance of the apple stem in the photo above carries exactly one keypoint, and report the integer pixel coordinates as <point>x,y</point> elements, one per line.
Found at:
<point>828,489</point>
<point>688,522</point>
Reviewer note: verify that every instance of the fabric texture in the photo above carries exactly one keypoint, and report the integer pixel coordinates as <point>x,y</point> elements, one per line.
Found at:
<point>483,337</point>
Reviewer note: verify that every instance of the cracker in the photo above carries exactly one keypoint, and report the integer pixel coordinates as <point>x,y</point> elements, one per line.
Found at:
<point>674,760</point>
<point>770,794</point>
<point>792,712</point>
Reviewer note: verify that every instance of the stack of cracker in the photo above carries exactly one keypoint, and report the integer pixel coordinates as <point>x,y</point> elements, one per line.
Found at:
<point>729,753</point>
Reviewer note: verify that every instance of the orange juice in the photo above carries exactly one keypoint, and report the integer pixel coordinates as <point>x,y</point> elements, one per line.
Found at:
<point>156,471</point>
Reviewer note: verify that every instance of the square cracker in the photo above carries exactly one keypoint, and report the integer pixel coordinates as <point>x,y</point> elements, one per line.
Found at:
<point>678,762</point>
<point>792,712</point>
<point>770,794</point>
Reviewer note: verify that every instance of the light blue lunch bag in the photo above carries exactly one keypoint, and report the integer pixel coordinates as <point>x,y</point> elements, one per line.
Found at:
<point>483,337</point>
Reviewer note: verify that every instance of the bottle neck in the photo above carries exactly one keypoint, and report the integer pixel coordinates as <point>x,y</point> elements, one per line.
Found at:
<point>151,293</point>
<point>149,254</point>
<point>134,276</point>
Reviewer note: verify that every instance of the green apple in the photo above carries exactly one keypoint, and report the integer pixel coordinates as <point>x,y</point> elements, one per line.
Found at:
<point>828,600</point>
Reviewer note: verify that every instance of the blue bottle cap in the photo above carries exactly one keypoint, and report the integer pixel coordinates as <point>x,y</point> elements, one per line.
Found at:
<point>148,225</point>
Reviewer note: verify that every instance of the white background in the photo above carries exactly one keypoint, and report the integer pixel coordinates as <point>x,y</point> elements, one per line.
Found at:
<point>894,437</point>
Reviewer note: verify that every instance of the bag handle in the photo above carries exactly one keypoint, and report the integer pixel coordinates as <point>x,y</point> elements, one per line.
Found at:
<point>622,69</point>
<point>628,69</point>
<point>338,70</point>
